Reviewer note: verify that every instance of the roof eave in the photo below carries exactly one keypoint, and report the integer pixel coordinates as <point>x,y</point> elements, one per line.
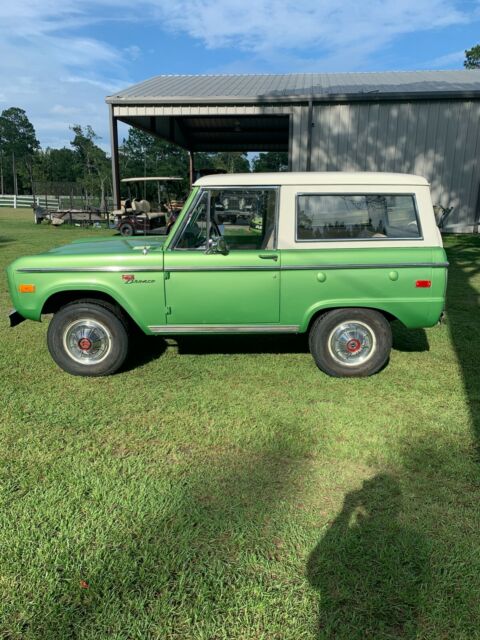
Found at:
<point>367,96</point>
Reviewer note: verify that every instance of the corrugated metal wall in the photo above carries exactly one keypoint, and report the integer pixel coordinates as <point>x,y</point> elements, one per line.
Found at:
<point>436,139</point>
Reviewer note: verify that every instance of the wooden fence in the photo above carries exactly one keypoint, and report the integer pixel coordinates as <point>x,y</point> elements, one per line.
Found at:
<point>53,202</point>
<point>25,202</point>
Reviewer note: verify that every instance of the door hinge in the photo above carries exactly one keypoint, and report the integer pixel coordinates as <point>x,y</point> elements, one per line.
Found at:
<point>168,311</point>
<point>166,275</point>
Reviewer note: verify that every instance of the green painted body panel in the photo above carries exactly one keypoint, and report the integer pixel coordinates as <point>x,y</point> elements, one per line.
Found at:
<point>241,287</point>
<point>143,299</point>
<point>305,292</point>
<point>287,287</point>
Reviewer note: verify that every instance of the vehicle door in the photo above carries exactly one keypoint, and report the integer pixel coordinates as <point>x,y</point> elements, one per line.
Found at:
<point>222,267</point>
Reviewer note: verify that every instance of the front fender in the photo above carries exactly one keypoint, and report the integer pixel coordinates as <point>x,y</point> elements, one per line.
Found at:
<point>142,299</point>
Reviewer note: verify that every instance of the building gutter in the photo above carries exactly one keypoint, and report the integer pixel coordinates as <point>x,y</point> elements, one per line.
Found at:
<point>367,96</point>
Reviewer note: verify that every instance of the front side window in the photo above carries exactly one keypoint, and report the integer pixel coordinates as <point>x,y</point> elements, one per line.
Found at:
<point>245,217</point>
<point>194,234</point>
<point>356,217</point>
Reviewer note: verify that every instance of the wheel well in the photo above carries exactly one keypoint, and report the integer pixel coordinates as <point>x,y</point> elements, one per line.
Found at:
<point>60,299</point>
<point>390,317</point>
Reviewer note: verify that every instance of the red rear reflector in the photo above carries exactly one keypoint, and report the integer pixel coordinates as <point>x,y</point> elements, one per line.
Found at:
<point>423,284</point>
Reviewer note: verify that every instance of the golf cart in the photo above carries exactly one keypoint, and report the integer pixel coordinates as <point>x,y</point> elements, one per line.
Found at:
<point>136,215</point>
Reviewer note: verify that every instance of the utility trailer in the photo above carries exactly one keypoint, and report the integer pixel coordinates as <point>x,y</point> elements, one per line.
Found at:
<point>78,217</point>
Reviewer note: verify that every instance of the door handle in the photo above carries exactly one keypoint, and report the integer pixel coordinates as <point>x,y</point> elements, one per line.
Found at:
<point>268,256</point>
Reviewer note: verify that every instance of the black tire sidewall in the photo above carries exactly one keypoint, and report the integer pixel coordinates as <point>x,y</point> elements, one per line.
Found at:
<point>127,226</point>
<point>324,325</point>
<point>76,311</point>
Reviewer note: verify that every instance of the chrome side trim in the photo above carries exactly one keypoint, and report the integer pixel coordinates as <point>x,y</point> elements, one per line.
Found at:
<point>311,267</point>
<point>91,270</point>
<point>301,267</point>
<point>225,328</point>
<point>227,268</point>
<point>393,265</point>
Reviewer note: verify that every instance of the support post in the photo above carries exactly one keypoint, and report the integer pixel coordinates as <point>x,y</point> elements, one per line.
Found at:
<point>477,211</point>
<point>115,162</point>
<point>290,141</point>
<point>310,134</point>
<point>14,169</point>
<point>191,160</point>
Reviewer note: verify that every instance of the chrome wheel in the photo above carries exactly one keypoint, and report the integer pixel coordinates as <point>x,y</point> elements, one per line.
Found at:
<point>352,343</point>
<point>87,341</point>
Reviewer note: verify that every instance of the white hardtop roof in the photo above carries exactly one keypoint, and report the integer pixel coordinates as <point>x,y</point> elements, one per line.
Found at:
<point>311,178</point>
<point>151,178</point>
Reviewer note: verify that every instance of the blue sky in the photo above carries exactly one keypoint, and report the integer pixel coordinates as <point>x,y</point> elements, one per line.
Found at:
<point>60,58</point>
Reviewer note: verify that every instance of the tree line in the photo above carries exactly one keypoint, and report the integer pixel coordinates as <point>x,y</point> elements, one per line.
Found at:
<point>84,170</point>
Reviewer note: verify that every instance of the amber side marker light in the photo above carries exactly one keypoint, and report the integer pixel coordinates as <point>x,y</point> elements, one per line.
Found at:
<point>26,288</point>
<point>423,284</point>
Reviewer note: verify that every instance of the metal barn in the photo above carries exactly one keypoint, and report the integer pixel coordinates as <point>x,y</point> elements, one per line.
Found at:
<point>422,122</point>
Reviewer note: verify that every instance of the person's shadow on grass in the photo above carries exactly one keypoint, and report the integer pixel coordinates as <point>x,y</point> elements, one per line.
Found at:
<point>368,568</point>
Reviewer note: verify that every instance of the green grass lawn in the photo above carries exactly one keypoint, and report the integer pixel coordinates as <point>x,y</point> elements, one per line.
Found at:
<point>224,488</point>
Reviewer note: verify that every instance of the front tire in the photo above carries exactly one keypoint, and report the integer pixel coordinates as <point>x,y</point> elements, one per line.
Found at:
<point>88,339</point>
<point>350,342</point>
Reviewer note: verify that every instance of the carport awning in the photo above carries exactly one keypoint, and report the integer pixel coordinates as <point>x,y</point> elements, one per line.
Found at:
<point>213,133</point>
<point>250,112</point>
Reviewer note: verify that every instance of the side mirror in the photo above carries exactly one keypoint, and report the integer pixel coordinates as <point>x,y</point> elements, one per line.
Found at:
<point>217,245</point>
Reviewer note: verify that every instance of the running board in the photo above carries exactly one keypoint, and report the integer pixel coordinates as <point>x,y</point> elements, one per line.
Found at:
<point>225,328</point>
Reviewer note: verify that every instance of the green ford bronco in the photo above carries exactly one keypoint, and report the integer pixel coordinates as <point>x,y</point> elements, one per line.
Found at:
<point>336,255</point>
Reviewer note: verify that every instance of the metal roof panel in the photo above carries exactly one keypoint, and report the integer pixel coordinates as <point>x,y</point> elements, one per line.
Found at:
<point>267,88</point>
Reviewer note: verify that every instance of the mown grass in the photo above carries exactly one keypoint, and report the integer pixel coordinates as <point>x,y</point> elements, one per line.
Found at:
<point>226,489</point>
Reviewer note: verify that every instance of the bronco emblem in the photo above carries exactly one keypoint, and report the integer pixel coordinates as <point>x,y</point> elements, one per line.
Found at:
<point>129,278</point>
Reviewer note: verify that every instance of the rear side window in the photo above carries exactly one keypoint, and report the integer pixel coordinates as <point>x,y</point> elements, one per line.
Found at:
<point>356,217</point>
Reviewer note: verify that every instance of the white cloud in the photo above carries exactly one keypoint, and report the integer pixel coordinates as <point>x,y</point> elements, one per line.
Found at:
<point>455,58</point>
<point>346,33</point>
<point>60,76</point>
<point>52,72</point>
<point>133,52</point>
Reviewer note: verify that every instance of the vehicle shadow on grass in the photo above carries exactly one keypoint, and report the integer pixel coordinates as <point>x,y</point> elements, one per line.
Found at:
<point>409,340</point>
<point>368,568</point>
<point>238,344</point>
<point>404,339</point>
<point>143,349</point>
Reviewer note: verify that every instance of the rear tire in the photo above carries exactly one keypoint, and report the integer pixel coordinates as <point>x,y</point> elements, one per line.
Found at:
<point>127,229</point>
<point>88,339</point>
<point>350,342</point>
